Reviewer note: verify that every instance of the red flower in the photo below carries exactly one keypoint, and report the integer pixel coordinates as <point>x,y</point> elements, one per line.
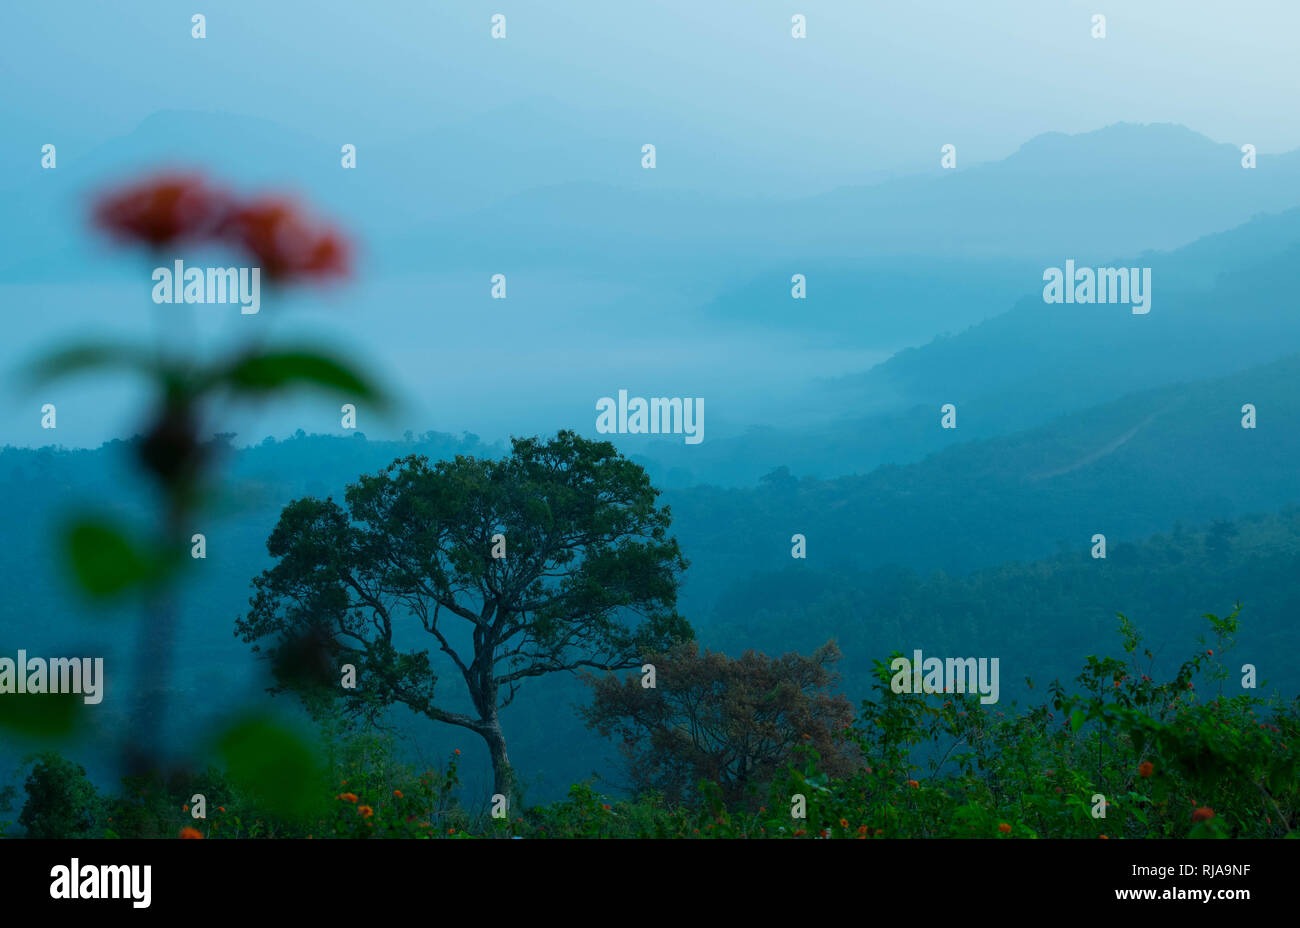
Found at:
<point>162,210</point>
<point>1203,814</point>
<point>1145,769</point>
<point>285,243</point>
<point>1004,828</point>
<point>191,833</point>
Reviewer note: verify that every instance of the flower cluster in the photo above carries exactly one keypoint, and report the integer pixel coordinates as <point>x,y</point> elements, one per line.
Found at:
<point>176,208</point>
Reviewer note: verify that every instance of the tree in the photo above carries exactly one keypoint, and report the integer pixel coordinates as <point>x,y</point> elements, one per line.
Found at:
<point>734,722</point>
<point>555,558</point>
<point>61,801</point>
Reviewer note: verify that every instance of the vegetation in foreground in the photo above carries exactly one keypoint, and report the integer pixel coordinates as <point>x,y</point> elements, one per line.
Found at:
<point>1120,755</point>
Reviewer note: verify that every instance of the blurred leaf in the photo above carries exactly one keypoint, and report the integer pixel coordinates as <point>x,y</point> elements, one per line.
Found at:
<point>1076,719</point>
<point>92,356</point>
<point>271,763</point>
<point>103,560</point>
<point>264,373</point>
<point>49,715</point>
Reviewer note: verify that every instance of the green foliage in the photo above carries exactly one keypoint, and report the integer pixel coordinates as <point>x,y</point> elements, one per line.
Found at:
<point>104,561</point>
<point>61,802</point>
<point>1158,761</point>
<point>41,715</point>
<point>271,764</point>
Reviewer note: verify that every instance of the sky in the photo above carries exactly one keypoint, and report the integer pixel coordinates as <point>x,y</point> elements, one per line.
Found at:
<point>875,85</point>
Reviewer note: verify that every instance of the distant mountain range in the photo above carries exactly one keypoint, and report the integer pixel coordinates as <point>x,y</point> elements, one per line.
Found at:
<point>1221,304</point>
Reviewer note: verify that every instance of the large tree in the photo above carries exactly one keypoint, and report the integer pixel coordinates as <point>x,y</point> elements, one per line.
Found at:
<point>412,562</point>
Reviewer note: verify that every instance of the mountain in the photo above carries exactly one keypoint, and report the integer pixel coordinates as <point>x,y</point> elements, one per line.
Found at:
<point>1220,304</point>
<point>1124,469</point>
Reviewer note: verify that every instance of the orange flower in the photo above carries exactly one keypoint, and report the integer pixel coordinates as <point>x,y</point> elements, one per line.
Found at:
<point>1004,828</point>
<point>862,829</point>
<point>457,750</point>
<point>185,808</point>
<point>1145,769</point>
<point>397,793</point>
<point>913,784</point>
<point>1103,837</point>
<point>162,210</point>
<point>1203,814</point>
<point>221,808</point>
<point>347,797</point>
<point>844,823</point>
<point>284,242</point>
<point>605,806</point>
<point>188,832</point>
<point>365,811</point>
<point>799,833</point>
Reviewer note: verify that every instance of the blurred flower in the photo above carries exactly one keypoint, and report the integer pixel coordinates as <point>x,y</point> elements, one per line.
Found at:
<point>913,783</point>
<point>162,210</point>
<point>285,244</point>
<point>188,832</point>
<point>347,797</point>
<point>1146,768</point>
<point>1203,814</point>
<point>397,793</point>
<point>365,811</point>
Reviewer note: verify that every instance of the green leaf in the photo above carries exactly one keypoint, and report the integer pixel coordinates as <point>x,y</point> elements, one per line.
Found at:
<point>277,370</point>
<point>272,764</point>
<point>1077,718</point>
<point>87,357</point>
<point>103,560</point>
<point>49,715</point>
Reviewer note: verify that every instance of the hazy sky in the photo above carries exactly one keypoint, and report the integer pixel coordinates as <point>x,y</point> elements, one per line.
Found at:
<point>876,85</point>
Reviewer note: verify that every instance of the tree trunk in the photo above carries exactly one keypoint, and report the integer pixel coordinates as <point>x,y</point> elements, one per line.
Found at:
<point>502,776</point>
